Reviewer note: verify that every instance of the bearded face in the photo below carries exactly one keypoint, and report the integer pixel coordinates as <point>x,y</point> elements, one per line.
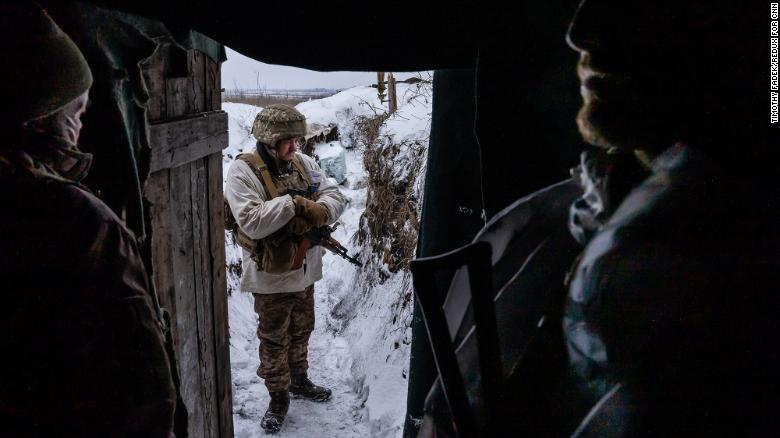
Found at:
<point>619,111</point>
<point>655,73</point>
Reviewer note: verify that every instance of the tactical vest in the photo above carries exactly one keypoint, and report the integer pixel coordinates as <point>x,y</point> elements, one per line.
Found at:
<point>274,253</point>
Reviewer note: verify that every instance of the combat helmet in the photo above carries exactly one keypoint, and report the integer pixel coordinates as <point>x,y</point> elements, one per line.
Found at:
<point>278,122</point>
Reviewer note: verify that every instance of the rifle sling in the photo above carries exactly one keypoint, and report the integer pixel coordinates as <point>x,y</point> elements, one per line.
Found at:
<point>299,166</point>
<point>259,167</point>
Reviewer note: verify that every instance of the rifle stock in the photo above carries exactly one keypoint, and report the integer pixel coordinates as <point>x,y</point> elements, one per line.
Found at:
<point>300,254</point>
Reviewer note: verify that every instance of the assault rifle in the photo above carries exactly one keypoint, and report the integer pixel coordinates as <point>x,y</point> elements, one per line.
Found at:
<point>319,236</point>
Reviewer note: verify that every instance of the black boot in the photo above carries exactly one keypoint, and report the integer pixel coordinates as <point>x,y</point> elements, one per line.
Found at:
<point>277,410</point>
<point>301,386</point>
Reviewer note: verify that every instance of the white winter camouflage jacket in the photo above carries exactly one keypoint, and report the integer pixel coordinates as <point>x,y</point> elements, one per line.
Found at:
<point>259,217</point>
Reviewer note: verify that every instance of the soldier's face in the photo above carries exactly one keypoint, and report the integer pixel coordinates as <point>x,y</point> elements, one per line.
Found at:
<point>73,123</point>
<point>65,123</point>
<point>285,149</point>
<point>648,70</point>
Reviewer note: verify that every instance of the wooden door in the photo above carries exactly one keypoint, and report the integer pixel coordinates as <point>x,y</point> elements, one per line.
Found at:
<point>184,191</point>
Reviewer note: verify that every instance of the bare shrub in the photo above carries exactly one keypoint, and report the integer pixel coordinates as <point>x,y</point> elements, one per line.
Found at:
<point>365,132</point>
<point>421,89</point>
<point>390,223</point>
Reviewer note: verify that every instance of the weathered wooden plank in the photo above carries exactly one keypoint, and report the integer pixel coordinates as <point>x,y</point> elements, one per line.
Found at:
<point>194,151</point>
<point>202,270</point>
<point>158,194</point>
<point>196,62</point>
<point>178,98</point>
<point>154,71</point>
<point>392,102</point>
<point>213,85</point>
<point>183,141</point>
<point>181,133</point>
<point>186,302</point>
<point>219,296</point>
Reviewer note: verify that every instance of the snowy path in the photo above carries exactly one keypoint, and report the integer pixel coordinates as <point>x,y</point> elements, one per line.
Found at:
<point>329,360</point>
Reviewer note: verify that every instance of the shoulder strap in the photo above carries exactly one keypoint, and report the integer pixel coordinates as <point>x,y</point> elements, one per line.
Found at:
<point>260,170</point>
<point>304,173</point>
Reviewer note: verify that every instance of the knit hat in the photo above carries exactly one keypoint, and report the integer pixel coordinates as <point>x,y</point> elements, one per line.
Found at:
<point>43,69</point>
<point>278,122</point>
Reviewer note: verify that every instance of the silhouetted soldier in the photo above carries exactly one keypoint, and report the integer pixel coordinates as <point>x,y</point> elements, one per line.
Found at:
<point>82,349</point>
<point>670,319</point>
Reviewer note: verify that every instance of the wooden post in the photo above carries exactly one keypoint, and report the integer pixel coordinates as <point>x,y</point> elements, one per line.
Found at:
<point>380,85</point>
<point>391,97</point>
<point>184,190</point>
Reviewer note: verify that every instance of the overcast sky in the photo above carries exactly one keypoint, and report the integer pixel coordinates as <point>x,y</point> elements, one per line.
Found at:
<point>245,72</point>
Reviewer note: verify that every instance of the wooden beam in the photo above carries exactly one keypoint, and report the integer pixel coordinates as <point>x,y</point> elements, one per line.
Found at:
<point>219,298</point>
<point>197,73</point>
<point>158,194</point>
<point>186,324</point>
<point>213,86</point>
<point>178,97</point>
<point>202,295</point>
<point>154,75</point>
<point>186,140</point>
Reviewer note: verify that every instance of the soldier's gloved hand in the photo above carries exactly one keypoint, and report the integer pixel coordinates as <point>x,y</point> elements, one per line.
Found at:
<point>315,214</point>
<point>298,225</point>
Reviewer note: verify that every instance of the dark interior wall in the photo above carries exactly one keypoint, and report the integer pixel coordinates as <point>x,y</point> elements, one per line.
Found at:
<point>378,35</point>
<point>527,99</point>
<point>453,196</point>
<point>500,131</point>
<point>453,193</point>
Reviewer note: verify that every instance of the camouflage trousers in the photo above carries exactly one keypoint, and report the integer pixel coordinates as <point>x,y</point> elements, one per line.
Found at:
<point>286,322</point>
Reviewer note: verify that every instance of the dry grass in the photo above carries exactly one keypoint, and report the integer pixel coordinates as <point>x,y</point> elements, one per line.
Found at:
<point>263,101</point>
<point>390,223</point>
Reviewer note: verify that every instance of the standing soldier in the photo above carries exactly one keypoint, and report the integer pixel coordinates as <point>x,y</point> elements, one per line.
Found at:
<point>271,218</point>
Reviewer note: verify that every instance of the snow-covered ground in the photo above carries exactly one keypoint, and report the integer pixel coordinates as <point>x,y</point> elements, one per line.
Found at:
<point>360,344</point>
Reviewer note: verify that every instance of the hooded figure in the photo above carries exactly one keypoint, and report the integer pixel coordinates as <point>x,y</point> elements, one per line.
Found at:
<point>83,349</point>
